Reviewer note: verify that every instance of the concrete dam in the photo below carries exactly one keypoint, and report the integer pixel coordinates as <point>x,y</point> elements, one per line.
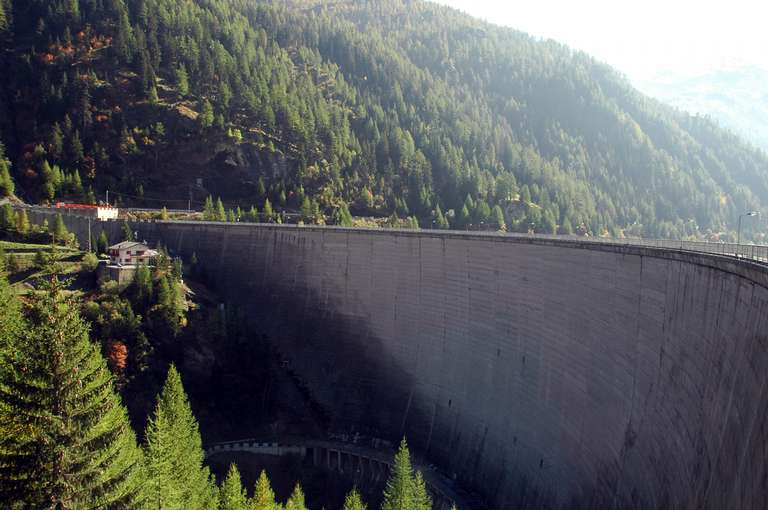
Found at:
<point>540,373</point>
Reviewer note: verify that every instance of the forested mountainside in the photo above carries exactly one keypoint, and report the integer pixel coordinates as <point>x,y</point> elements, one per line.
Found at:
<point>383,107</point>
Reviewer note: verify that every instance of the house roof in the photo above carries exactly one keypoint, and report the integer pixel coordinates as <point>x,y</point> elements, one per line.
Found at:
<point>127,245</point>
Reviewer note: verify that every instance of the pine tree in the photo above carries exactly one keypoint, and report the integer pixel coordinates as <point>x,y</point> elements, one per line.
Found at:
<point>182,80</point>
<point>206,115</point>
<point>268,212</point>
<point>353,501</point>
<point>263,495</point>
<point>22,222</point>
<point>67,441</point>
<point>421,499</point>
<point>7,187</point>
<point>209,213</point>
<point>177,477</point>
<point>398,494</point>
<point>128,232</point>
<point>102,243</point>
<point>296,500</point>
<point>57,142</point>
<point>7,218</point>
<point>60,232</point>
<point>164,216</point>
<point>232,496</point>
<point>498,219</point>
<point>143,287</point>
<point>221,213</point>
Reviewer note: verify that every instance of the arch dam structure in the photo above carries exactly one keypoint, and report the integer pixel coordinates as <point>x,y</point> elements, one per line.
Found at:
<point>539,373</point>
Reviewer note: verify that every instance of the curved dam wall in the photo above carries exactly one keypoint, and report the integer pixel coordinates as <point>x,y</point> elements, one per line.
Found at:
<point>541,373</point>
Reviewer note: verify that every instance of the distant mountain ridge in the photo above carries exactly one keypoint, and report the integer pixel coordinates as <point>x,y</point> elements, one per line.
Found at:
<point>389,108</point>
<point>737,98</point>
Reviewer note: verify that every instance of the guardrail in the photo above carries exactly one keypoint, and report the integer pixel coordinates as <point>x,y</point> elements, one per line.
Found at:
<point>753,252</point>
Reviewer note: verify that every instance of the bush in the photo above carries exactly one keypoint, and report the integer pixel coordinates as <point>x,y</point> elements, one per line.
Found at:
<point>90,262</point>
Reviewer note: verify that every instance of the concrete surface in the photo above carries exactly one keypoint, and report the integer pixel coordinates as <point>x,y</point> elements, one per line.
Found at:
<point>540,373</point>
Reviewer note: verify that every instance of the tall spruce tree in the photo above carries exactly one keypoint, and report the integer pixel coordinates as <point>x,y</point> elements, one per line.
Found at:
<point>177,477</point>
<point>296,500</point>
<point>232,496</point>
<point>421,498</point>
<point>404,490</point>
<point>353,501</point>
<point>398,494</point>
<point>67,442</point>
<point>263,495</point>
<point>6,182</point>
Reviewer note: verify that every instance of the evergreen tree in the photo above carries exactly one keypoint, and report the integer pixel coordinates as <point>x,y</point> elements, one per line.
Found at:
<point>178,478</point>
<point>232,496</point>
<point>296,500</point>
<point>206,115</point>
<point>60,232</point>
<point>102,243</point>
<point>7,187</point>
<point>398,494</point>
<point>498,219</point>
<point>143,288</point>
<point>57,142</point>
<point>128,234</point>
<point>263,495</point>
<point>164,214</point>
<point>421,499</point>
<point>268,212</point>
<point>22,222</point>
<point>353,501</point>
<point>182,80</point>
<point>221,213</point>
<point>209,213</point>
<point>7,218</point>
<point>67,441</point>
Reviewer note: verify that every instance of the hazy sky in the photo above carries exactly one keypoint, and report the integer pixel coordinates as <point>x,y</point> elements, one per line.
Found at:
<point>642,38</point>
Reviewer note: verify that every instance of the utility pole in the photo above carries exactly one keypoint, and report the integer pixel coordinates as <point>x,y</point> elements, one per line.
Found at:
<point>107,198</point>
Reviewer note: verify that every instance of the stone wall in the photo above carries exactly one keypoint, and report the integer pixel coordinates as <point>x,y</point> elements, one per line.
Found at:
<point>541,373</point>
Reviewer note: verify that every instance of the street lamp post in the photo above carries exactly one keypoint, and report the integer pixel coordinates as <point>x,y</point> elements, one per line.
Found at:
<point>738,235</point>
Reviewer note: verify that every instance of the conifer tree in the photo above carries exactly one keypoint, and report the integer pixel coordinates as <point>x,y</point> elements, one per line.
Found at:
<point>421,498</point>
<point>296,500</point>
<point>128,232</point>
<point>177,477</point>
<point>102,243</point>
<point>60,231</point>
<point>221,213</point>
<point>498,219</point>
<point>182,80</point>
<point>22,222</point>
<point>353,501</point>
<point>263,495</point>
<point>7,217</point>
<point>67,441</point>
<point>398,494</point>
<point>6,182</point>
<point>164,214</point>
<point>268,212</point>
<point>209,213</point>
<point>232,496</point>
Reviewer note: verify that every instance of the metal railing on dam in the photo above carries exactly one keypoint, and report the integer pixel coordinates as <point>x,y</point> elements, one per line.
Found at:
<point>752,252</point>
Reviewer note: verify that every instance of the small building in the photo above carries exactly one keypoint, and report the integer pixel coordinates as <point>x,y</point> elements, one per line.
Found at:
<point>100,212</point>
<point>131,253</point>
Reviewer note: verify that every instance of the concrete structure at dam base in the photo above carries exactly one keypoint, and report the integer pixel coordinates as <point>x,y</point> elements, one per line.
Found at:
<point>539,373</point>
